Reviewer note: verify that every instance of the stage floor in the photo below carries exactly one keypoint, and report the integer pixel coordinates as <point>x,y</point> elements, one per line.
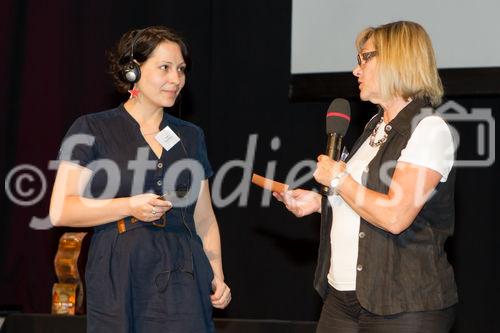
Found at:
<point>45,323</point>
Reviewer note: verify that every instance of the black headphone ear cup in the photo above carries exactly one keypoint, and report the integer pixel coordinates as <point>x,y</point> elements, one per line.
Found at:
<point>132,72</point>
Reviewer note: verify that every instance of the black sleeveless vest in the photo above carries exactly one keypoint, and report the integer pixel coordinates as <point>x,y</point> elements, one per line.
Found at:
<point>405,272</point>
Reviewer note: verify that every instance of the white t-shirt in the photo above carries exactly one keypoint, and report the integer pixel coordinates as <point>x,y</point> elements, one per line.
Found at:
<point>430,145</point>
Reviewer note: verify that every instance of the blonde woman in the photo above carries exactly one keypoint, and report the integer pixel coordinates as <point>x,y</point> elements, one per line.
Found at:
<point>382,265</point>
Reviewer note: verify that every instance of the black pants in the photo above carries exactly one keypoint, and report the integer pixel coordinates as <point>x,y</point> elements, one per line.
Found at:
<point>342,313</point>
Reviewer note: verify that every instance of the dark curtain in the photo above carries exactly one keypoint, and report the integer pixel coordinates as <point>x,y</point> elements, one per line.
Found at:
<point>54,69</point>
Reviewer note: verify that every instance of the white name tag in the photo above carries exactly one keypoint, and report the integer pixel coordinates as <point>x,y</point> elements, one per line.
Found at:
<point>167,138</point>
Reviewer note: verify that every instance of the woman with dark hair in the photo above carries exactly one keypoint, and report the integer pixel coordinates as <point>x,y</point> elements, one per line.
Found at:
<point>382,265</point>
<point>139,176</point>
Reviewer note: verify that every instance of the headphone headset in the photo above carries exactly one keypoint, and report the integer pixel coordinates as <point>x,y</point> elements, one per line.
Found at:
<point>132,70</point>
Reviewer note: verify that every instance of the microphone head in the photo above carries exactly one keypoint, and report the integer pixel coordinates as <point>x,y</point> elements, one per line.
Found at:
<point>338,117</point>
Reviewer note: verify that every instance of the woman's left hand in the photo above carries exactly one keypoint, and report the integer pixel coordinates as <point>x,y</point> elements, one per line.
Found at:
<point>327,169</point>
<point>222,294</point>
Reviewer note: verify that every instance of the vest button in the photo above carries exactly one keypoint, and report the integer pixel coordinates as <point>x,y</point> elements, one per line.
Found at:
<point>160,165</point>
<point>359,268</point>
<point>362,234</point>
<point>159,183</point>
<point>388,128</point>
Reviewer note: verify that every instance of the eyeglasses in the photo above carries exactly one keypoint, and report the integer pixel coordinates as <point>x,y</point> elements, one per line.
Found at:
<point>365,56</point>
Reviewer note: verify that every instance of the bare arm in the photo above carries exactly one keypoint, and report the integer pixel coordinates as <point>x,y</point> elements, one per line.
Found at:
<point>208,230</point>
<point>69,208</point>
<point>394,212</point>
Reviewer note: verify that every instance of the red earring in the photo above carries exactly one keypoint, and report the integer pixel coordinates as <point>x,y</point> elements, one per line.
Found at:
<point>133,92</point>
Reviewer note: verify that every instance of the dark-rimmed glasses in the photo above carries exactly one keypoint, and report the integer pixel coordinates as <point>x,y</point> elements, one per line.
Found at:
<point>365,56</point>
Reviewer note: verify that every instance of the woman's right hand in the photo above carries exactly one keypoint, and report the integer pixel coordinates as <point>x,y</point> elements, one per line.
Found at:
<point>147,207</point>
<point>300,202</point>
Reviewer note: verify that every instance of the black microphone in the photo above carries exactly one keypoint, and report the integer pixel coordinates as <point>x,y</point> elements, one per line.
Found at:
<point>338,117</point>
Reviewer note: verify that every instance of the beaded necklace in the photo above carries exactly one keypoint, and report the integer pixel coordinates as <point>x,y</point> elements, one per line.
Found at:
<point>380,141</point>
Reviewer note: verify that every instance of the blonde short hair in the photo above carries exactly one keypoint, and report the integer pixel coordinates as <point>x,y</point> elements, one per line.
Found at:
<point>406,61</point>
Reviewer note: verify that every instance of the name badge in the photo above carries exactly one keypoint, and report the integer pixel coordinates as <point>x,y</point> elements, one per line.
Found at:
<point>167,138</point>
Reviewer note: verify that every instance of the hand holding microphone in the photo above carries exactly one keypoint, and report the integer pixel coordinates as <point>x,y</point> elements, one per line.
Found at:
<point>327,169</point>
<point>303,202</point>
<point>338,117</point>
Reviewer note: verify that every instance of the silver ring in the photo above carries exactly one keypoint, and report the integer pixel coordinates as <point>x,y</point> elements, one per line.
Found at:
<point>153,211</point>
